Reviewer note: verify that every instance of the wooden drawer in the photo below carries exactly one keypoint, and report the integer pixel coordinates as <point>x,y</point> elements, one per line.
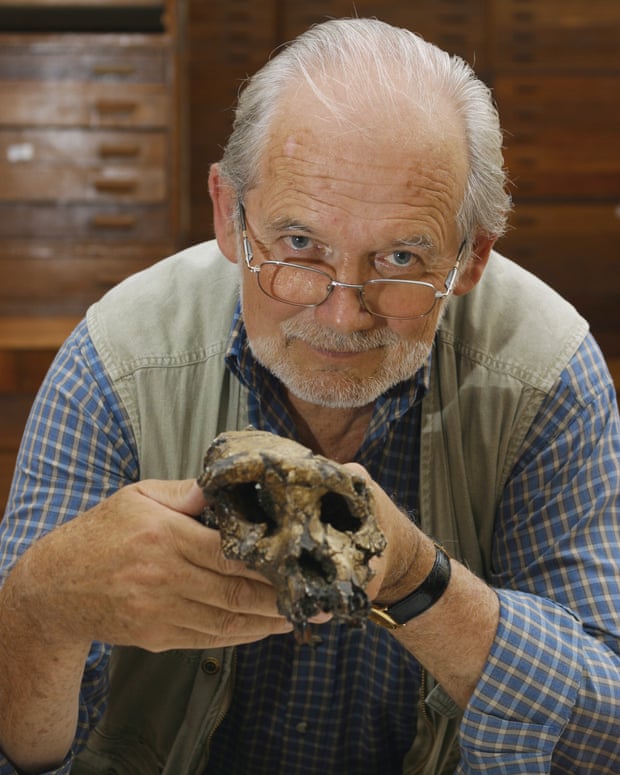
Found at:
<point>83,58</point>
<point>65,104</point>
<point>73,146</point>
<point>70,165</point>
<point>87,222</point>
<point>561,135</point>
<point>67,282</point>
<point>557,35</point>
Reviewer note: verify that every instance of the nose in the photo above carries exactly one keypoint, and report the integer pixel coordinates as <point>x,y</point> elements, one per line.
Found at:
<point>343,310</point>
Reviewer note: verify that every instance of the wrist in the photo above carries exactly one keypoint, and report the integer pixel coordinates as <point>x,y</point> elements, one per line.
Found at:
<point>415,555</point>
<point>422,597</point>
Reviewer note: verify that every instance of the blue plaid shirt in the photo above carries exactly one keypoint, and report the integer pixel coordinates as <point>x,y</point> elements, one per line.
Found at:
<point>549,697</point>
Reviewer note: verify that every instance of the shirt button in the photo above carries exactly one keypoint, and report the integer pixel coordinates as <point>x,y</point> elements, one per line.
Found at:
<point>302,727</point>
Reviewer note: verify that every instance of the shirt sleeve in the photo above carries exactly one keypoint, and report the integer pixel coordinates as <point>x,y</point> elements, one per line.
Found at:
<point>549,698</point>
<point>77,449</point>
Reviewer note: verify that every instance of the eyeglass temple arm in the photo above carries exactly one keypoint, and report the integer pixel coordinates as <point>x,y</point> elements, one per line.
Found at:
<point>453,273</point>
<point>248,253</point>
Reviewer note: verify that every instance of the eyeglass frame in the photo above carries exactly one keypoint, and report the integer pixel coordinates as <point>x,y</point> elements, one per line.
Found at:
<point>248,255</point>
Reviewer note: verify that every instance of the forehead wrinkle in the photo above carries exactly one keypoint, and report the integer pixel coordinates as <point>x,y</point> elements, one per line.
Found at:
<point>438,182</point>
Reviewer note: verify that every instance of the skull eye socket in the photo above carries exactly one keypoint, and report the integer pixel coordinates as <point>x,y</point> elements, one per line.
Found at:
<point>335,511</point>
<point>250,500</point>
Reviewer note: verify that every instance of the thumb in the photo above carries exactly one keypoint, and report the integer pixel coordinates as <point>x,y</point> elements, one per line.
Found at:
<point>183,495</point>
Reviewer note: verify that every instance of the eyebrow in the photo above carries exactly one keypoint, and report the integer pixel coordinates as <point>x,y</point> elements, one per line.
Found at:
<point>417,241</point>
<point>289,224</point>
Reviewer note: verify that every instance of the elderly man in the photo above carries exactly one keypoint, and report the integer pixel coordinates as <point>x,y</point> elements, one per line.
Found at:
<point>356,208</point>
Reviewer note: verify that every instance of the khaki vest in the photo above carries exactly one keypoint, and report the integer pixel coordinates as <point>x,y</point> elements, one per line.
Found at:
<point>162,335</point>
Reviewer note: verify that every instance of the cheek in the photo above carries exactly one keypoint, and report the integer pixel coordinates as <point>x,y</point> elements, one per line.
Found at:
<point>413,331</point>
<point>262,316</point>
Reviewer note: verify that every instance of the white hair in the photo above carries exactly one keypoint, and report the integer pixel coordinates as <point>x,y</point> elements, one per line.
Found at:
<point>399,62</point>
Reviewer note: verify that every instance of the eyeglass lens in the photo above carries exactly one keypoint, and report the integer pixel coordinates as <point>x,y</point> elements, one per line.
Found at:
<point>307,287</point>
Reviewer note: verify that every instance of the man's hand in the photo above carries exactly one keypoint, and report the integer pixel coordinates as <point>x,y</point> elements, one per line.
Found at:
<point>139,570</point>
<point>452,639</point>
<point>402,553</point>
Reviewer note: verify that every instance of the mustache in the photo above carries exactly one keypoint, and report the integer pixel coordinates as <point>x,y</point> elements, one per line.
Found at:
<point>323,338</point>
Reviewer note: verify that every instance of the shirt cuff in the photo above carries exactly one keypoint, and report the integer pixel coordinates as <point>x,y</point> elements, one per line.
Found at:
<point>6,768</point>
<point>528,690</point>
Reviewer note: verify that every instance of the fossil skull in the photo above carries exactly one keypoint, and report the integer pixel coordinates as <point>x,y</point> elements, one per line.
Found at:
<point>305,522</point>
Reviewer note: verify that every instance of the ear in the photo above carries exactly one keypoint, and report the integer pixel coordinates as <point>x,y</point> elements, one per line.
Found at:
<point>476,264</point>
<point>224,201</point>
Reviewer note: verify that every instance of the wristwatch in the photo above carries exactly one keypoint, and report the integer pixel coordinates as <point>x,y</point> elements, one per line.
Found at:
<point>421,599</point>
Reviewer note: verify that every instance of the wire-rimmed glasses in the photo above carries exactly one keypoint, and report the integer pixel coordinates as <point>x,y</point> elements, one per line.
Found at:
<point>305,286</point>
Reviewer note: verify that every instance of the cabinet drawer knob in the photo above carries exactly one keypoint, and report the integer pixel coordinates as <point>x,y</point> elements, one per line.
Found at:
<point>115,186</point>
<point>114,107</point>
<point>125,151</point>
<point>113,69</point>
<point>111,221</point>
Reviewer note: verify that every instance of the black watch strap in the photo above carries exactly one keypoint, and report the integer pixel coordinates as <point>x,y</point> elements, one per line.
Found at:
<point>418,601</point>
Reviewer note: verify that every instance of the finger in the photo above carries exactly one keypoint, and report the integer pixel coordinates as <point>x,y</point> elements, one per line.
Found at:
<point>202,547</point>
<point>229,625</point>
<point>221,629</point>
<point>184,496</point>
<point>237,594</point>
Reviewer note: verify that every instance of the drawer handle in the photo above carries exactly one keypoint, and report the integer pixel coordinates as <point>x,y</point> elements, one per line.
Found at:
<point>109,107</point>
<point>120,221</point>
<point>105,151</point>
<point>115,186</point>
<point>120,69</point>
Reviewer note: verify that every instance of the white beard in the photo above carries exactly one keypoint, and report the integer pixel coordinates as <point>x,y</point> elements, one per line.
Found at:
<point>338,388</point>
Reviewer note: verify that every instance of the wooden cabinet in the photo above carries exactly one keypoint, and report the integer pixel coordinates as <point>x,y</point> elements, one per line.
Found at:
<point>555,36</point>
<point>556,76</point>
<point>88,162</point>
<point>89,172</point>
<point>225,40</point>
<point>562,139</point>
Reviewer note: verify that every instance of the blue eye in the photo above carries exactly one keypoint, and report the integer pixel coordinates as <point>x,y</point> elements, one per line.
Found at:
<point>299,242</point>
<point>402,257</point>
<point>398,263</point>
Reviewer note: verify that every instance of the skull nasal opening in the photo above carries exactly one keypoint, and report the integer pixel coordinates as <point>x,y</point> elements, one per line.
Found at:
<point>253,503</point>
<point>335,511</point>
<point>315,567</point>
